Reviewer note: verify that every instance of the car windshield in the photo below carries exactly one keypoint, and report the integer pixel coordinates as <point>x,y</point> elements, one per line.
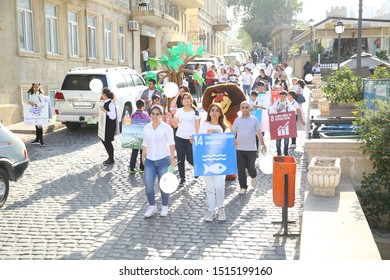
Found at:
<point>81,81</point>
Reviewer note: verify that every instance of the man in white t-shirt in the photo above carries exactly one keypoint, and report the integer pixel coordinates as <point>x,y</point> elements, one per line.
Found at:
<point>145,56</point>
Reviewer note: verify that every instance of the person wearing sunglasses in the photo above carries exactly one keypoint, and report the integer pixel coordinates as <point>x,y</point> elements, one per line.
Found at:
<point>245,128</point>
<point>158,152</point>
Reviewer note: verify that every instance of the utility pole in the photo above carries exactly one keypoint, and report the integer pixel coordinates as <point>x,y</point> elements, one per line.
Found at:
<point>359,41</point>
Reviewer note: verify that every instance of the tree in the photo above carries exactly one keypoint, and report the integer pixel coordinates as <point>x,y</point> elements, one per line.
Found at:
<point>260,17</point>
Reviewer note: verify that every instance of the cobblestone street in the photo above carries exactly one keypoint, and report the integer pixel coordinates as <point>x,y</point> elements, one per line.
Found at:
<point>69,205</point>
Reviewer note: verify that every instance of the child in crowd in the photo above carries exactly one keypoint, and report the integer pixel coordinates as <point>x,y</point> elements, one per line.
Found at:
<point>281,106</point>
<point>155,101</point>
<point>140,114</point>
<point>298,114</point>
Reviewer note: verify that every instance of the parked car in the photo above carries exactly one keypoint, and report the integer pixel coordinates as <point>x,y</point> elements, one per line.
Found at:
<point>221,60</point>
<point>232,59</point>
<point>75,103</point>
<point>13,161</point>
<point>212,60</point>
<point>190,79</point>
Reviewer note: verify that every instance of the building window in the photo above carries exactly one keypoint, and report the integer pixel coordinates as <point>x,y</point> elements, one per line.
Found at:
<point>73,34</point>
<point>92,37</point>
<point>51,29</point>
<point>107,40</point>
<point>25,25</point>
<point>121,44</point>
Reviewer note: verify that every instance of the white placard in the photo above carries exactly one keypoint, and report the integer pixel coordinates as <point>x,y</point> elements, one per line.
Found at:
<point>36,115</point>
<point>102,125</point>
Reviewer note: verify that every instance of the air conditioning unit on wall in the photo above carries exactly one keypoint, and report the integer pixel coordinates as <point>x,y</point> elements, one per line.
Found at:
<point>133,25</point>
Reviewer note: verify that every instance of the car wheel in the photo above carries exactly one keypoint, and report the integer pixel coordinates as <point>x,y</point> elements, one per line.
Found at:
<point>4,187</point>
<point>73,125</point>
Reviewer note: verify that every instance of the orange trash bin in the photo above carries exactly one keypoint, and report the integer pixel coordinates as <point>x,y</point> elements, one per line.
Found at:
<point>281,166</point>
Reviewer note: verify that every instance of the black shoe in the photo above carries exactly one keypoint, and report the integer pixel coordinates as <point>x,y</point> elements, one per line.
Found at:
<point>35,142</point>
<point>109,161</point>
<point>42,144</point>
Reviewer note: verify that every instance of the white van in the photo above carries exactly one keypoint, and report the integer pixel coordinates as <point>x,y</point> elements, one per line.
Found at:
<point>75,103</point>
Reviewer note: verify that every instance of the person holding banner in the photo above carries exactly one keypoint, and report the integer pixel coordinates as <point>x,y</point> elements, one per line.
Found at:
<point>298,114</point>
<point>215,185</point>
<point>281,106</point>
<point>111,114</point>
<point>139,114</point>
<point>158,152</point>
<point>36,98</point>
<point>245,127</point>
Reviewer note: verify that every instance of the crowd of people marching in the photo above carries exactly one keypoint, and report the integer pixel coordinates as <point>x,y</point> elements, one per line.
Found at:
<point>167,138</point>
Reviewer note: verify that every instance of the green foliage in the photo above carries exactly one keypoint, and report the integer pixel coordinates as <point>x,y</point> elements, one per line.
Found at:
<point>261,16</point>
<point>245,38</point>
<point>200,51</point>
<point>314,54</point>
<point>343,86</point>
<point>152,62</point>
<point>382,54</point>
<point>198,78</point>
<point>381,73</point>
<point>294,50</point>
<point>150,76</point>
<point>373,128</point>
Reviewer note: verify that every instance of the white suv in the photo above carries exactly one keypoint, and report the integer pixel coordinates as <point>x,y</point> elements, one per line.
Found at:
<point>75,103</point>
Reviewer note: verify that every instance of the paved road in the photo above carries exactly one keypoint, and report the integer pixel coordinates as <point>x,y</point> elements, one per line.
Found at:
<point>69,206</point>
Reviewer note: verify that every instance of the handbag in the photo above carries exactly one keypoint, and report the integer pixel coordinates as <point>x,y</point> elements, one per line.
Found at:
<point>301,98</point>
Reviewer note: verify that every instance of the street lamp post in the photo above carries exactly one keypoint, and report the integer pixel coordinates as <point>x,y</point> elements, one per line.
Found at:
<point>311,24</point>
<point>339,29</point>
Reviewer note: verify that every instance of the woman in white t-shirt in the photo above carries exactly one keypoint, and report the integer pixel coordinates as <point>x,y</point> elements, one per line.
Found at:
<point>187,121</point>
<point>215,185</point>
<point>158,152</point>
<point>291,97</point>
<point>247,80</point>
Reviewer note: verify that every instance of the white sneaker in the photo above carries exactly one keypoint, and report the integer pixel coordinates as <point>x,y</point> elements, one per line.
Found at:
<point>293,146</point>
<point>209,217</point>
<point>152,209</point>
<point>164,211</point>
<point>221,214</point>
<point>242,191</point>
<point>253,182</point>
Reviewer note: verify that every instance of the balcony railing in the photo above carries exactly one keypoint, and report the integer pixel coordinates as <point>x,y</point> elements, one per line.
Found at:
<point>159,6</point>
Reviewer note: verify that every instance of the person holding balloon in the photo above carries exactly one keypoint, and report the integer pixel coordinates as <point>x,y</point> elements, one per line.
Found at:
<point>187,122</point>
<point>158,153</point>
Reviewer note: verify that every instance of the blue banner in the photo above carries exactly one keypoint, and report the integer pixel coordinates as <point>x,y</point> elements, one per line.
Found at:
<point>214,154</point>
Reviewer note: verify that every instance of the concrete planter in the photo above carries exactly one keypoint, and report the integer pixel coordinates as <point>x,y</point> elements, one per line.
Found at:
<point>324,175</point>
<point>342,110</point>
<point>317,94</point>
<point>323,105</point>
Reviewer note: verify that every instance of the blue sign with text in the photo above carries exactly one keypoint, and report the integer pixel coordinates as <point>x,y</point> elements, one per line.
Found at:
<point>214,154</point>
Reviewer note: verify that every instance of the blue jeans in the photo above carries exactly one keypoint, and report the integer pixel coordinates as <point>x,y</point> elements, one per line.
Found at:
<point>155,168</point>
<point>279,148</point>
<point>247,90</point>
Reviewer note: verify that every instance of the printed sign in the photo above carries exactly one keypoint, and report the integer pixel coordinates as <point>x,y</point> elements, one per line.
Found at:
<point>214,154</point>
<point>132,132</point>
<point>36,115</point>
<point>376,89</point>
<point>102,125</point>
<point>283,125</point>
<point>257,113</point>
<point>275,95</point>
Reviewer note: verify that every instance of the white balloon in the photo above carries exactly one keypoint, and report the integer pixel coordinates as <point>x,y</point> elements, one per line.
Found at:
<point>309,78</point>
<point>288,70</point>
<point>96,85</point>
<point>171,89</point>
<point>169,183</point>
<point>266,164</point>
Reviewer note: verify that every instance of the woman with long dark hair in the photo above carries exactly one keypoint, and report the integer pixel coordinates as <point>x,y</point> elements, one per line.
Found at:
<point>111,114</point>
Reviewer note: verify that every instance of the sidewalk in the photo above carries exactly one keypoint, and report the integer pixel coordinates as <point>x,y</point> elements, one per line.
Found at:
<point>27,133</point>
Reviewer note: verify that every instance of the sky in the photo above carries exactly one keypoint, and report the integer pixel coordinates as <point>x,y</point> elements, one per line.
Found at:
<point>317,9</point>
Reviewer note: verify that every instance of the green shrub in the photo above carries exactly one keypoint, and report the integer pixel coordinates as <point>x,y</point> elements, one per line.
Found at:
<point>373,128</point>
<point>343,86</point>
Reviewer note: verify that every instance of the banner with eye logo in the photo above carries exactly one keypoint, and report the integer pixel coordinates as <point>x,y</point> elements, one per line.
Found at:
<point>214,154</point>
